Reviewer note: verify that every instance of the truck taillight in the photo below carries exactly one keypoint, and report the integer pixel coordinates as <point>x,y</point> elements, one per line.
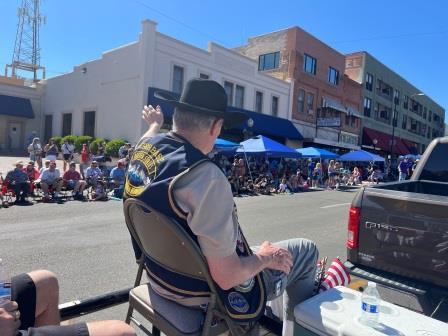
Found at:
<point>353,227</point>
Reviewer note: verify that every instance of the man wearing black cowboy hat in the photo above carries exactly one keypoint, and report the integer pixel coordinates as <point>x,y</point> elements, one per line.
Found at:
<point>172,174</point>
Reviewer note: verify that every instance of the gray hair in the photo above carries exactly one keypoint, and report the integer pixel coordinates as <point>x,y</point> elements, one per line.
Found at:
<point>188,120</point>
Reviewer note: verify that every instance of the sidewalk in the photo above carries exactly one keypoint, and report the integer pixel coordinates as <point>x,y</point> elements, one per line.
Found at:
<point>7,163</point>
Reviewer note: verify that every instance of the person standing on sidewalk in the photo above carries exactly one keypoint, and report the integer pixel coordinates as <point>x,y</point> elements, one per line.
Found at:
<point>403,168</point>
<point>51,150</point>
<point>35,151</point>
<point>67,149</point>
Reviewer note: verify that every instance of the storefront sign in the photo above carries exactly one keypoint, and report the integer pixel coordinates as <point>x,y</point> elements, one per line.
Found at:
<point>348,138</point>
<point>328,122</point>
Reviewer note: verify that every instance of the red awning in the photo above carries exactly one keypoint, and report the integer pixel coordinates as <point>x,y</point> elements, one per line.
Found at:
<point>383,141</point>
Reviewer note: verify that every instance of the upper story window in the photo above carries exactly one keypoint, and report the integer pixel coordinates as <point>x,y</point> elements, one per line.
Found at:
<point>178,79</point>
<point>274,106</point>
<point>301,101</point>
<point>404,123</point>
<point>228,87</point>
<point>384,90</point>
<point>333,76</point>
<point>367,106</point>
<point>309,64</point>
<point>269,61</point>
<point>239,96</point>
<point>396,97</point>
<point>203,76</point>
<point>369,81</point>
<point>405,101</point>
<point>259,101</point>
<point>310,103</point>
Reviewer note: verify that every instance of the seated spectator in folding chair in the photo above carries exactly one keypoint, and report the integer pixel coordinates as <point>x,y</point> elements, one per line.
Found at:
<point>33,175</point>
<point>46,166</point>
<point>93,174</point>
<point>117,175</point>
<point>36,184</point>
<point>4,198</point>
<point>72,181</point>
<point>99,192</point>
<point>51,180</point>
<point>33,311</point>
<point>17,180</point>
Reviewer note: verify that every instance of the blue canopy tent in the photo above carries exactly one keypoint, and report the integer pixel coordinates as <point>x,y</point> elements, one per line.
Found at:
<point>221,143</point>
<point>361,155</point>
<point>226,147</point>
<point>316,153</point>
<point>263,146</point>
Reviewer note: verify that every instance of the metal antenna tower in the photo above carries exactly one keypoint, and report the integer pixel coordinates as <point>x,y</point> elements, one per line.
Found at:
<point>27,46</point>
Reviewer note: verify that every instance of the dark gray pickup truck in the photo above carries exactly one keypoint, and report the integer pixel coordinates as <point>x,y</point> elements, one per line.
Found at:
<point>398,236</point>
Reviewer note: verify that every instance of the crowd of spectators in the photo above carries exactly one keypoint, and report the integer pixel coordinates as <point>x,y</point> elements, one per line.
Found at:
<point>261,175</point>
<point>246,175</point>
<point>47,184</point>
<point>42,179</point>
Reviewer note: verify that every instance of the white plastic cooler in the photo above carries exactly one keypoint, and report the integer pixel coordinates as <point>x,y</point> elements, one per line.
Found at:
<point>337,312</point>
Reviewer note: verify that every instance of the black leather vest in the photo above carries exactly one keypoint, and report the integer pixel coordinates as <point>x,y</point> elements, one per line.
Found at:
<point>155,166</point>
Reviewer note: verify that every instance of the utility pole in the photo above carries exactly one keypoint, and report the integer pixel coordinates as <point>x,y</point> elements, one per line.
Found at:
<point>26,55</point>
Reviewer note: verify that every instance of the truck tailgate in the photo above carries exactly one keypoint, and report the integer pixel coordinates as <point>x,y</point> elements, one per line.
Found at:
<point>406,234</point>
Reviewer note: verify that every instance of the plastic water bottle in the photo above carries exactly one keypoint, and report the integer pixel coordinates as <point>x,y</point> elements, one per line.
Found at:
<point>370,301</point>
<point>5,284</point>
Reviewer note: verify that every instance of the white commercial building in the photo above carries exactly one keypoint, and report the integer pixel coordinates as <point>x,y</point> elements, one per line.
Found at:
<point>104,97</point>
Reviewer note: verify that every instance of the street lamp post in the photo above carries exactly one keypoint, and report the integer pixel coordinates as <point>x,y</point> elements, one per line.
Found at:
<point>375,141</point>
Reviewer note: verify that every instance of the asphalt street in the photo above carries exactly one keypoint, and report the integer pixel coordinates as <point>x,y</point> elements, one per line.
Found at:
<point>87,244</point>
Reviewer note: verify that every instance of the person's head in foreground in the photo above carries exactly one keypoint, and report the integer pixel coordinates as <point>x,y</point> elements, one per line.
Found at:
<point>201,113</point>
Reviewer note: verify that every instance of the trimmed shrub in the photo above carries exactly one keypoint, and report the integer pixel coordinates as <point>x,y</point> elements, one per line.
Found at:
<point>113,146</point>
<point>70,137</point>
<point>57,140</point>
<point>81,140</point>
<point>95,143</point>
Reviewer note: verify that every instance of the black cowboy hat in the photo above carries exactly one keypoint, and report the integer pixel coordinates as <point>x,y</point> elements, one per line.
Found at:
<point>205,96</point>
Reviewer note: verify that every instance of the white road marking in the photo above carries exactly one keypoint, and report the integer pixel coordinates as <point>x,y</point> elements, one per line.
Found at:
<point>334,205</point>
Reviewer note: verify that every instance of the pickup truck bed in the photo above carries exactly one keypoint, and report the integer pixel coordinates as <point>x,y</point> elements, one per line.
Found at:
<point>405,232</point>
<point>398,232</point>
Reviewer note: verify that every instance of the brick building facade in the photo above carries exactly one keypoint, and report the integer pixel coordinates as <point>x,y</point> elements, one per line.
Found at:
<point>397,117</point>
<point>326,102</point>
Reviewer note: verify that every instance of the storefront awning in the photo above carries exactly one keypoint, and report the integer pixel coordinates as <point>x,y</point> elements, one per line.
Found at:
<point>262,124</point>
<point>270,126</point>
<point>400,146</point>
<point>334,104</point>
<point>16,107</point>
<point>352,111</point>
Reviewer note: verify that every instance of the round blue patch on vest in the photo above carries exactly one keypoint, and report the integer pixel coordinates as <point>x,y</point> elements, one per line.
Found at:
<point>238,302</point>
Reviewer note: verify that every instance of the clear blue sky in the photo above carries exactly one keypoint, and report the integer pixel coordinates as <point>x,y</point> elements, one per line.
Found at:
<point>409,36</point>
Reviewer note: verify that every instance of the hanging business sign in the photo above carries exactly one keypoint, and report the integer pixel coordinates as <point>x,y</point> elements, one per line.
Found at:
<point>328,122</point>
